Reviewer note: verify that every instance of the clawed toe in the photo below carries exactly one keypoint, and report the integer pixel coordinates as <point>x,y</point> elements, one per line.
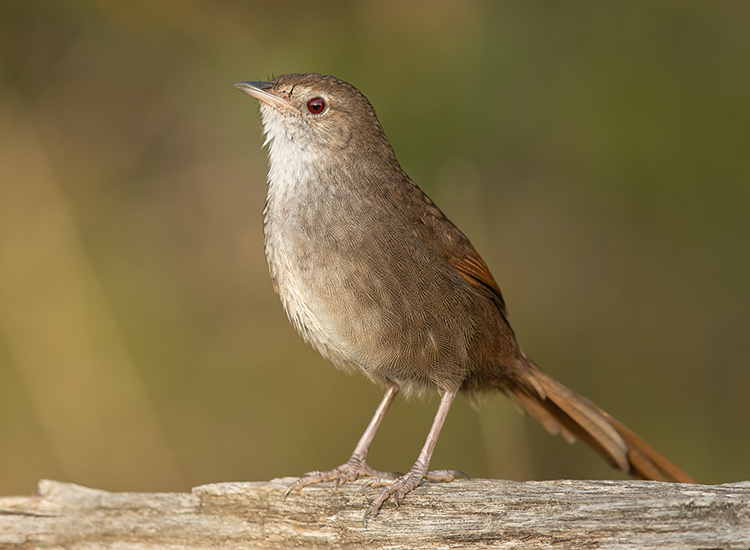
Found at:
<point>444,476</point>
<point>400,487</point>
<point>351,471</point>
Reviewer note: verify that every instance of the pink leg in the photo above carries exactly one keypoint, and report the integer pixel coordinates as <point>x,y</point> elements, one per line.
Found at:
<point>401,486</point>
<point>357,466</point>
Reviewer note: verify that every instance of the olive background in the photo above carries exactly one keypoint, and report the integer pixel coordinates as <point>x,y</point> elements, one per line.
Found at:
<point>596,153</point>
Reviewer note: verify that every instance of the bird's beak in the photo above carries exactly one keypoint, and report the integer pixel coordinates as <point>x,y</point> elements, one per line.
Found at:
<point>259,90</point>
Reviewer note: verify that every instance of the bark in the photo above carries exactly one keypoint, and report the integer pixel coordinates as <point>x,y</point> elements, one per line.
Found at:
<point>461,514</point>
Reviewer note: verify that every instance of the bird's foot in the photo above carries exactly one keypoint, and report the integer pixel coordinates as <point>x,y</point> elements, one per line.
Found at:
<point>398,488</point>
<point>354,469</point>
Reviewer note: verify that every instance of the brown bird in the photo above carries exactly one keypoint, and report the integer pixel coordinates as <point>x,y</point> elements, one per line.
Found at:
<point>378,280</point>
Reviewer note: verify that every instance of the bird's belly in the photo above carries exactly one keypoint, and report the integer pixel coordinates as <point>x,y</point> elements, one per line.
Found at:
<point>361,306</point>
<point>297,297</point>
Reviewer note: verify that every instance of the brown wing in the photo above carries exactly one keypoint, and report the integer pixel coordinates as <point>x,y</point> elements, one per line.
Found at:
<point>435,229</point>
<point>471,267</point>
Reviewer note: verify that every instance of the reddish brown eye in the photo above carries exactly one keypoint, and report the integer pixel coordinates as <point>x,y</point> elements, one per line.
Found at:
<point>316,105</point>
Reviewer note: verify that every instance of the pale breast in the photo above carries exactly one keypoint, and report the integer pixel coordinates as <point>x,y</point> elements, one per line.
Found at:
<point>291,183</point>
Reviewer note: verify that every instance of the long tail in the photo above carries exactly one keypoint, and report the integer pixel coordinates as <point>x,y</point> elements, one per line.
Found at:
<point>562,411</point>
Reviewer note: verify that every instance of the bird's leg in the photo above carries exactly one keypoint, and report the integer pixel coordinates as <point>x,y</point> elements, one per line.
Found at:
<point>398,488</point>
<point>357,466</point>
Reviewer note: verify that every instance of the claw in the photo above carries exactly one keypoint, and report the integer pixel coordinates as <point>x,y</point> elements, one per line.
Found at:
<point>377,482</point>
<point>444,475</point>
<point>398,489</point>
<point>295,486</point>
<point>351,471</point>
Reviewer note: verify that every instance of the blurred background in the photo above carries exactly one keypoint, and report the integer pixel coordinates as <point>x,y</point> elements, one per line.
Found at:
<point>597,154</point>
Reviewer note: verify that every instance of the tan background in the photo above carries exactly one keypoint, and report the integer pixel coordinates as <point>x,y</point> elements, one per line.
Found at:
<point>595,152</point>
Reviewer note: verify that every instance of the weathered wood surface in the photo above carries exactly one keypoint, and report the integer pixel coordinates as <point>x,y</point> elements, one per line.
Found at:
<point>462,514</point>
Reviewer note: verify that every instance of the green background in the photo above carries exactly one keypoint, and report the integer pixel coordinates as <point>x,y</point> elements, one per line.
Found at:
<point>597,154</point>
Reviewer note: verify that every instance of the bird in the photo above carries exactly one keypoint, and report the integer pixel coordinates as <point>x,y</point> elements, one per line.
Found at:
<point>373,274</point>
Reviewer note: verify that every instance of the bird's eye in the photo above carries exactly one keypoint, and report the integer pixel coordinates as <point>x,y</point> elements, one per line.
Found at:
<point>316,105</point>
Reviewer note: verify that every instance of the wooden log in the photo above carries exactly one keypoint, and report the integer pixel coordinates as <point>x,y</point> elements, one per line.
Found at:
<point>462,514</point>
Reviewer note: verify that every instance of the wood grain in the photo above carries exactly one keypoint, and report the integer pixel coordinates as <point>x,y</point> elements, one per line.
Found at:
<point>461,514</point>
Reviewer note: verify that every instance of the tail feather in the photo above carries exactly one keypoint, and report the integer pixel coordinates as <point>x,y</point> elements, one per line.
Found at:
<point>562,411</point>
<point>646,462</point>
<point>534,407</point>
